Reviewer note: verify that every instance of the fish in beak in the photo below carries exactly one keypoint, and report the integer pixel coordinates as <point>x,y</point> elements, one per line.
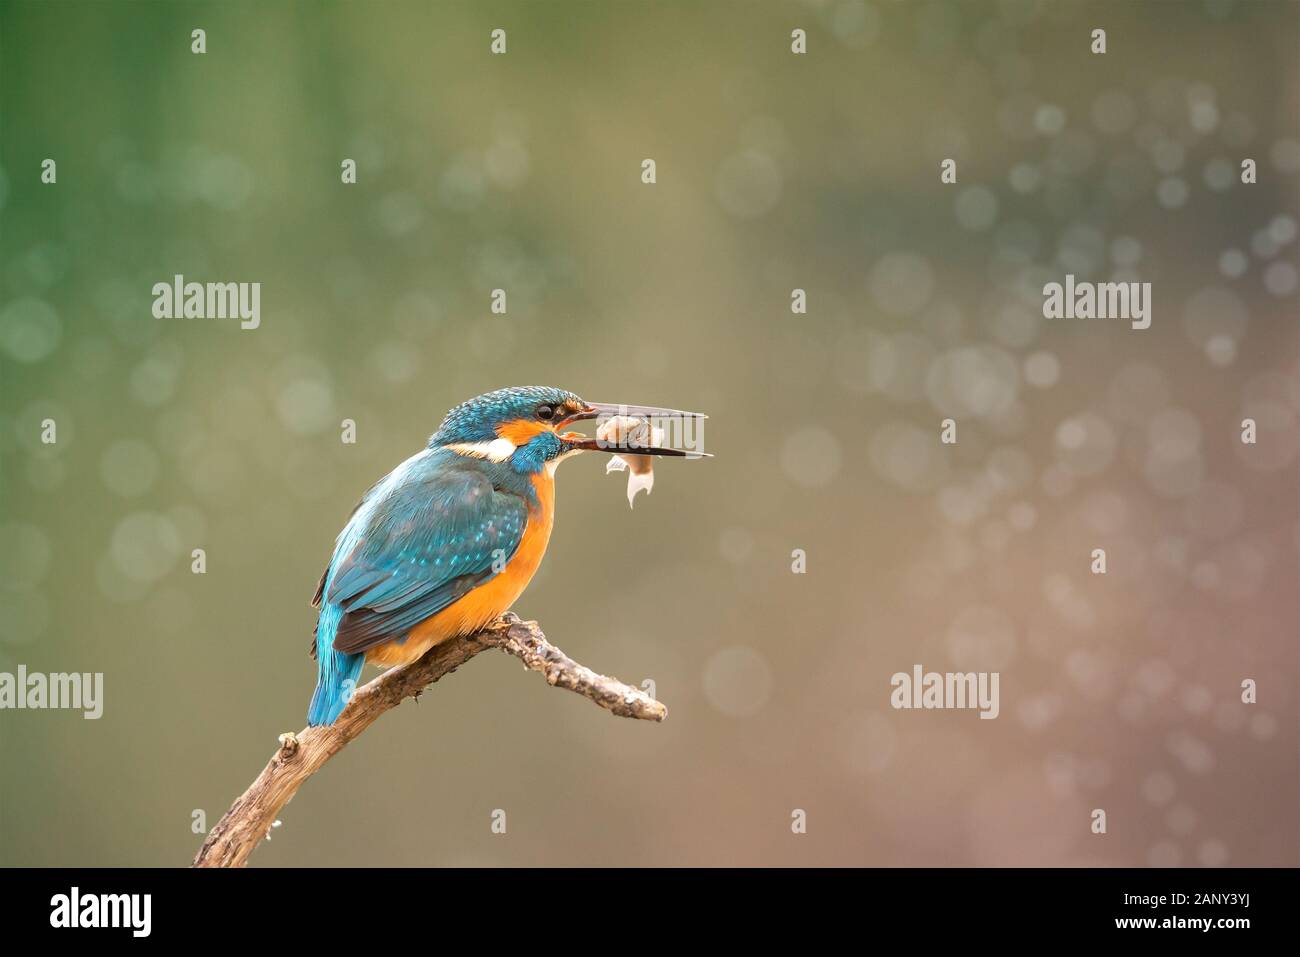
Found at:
<point>632,434</point>
<point>653,415</point>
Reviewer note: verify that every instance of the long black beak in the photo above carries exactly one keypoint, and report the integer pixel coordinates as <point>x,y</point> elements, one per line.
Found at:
<point>657,416</point>
<point>596,410</point>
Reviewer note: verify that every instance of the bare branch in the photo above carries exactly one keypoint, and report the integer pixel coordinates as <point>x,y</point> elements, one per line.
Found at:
<point>301,755</point>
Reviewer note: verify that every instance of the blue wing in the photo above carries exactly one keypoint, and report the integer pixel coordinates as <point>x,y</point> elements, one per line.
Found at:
<point>423,538</point>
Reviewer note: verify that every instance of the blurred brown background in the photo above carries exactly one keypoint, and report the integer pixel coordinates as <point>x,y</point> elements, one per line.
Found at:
<point>775,171</point>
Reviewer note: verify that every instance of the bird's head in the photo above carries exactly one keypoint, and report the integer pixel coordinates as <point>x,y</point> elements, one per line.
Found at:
<point>527,427</point>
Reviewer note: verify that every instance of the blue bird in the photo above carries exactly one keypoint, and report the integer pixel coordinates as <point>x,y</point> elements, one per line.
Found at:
<point>449,539</point>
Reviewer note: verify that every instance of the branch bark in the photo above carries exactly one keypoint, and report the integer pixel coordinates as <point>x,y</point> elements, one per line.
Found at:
<point>301,755</point>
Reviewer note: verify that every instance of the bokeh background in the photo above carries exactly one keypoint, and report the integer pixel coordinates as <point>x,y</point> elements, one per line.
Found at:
<point>775,172</point>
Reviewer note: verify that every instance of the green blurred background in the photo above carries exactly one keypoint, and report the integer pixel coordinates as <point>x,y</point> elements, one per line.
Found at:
<point>775,172</point>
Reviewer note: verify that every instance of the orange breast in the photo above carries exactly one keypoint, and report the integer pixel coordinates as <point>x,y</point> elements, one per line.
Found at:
<point>490,599</point>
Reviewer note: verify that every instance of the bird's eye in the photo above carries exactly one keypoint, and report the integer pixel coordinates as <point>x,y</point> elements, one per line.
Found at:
<point>545,412</point>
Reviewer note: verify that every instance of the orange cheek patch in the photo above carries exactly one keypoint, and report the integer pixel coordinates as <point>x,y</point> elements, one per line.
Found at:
<point>521,431</point>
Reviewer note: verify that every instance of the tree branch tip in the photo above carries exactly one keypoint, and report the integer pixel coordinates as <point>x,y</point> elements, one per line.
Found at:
<point>301,754</point>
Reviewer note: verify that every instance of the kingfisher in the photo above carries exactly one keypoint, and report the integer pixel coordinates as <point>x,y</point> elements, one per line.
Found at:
<point>447,541</point>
